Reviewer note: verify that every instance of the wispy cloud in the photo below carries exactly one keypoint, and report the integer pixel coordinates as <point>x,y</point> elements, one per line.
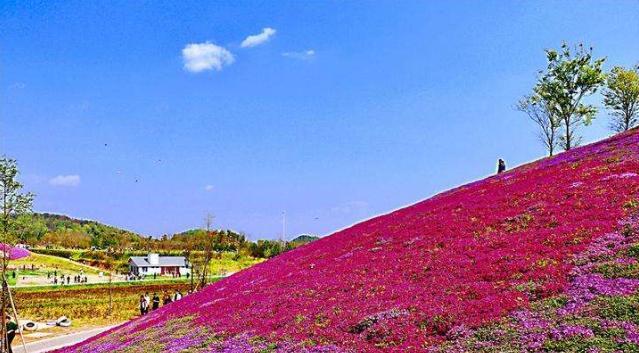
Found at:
<point>79,107</point>
<point>209,188</point>
<point>351,207</point>
<point>65,180</point>
<point>17,85</point>
<point>257,39</point>
<point>205,56</point>
<point>300,55</point>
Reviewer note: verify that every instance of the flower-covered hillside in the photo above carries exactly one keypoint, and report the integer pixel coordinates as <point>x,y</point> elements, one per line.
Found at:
<point>419,277</point>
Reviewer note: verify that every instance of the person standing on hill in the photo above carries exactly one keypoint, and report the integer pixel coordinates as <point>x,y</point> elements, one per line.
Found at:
<point>501,166</point>
<point>167,299</point>
<point>156,301</point>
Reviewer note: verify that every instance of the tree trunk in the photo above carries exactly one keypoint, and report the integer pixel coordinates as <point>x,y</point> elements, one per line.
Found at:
<point>567,122</point>
<point>5,343</point>
<point>110,294</point>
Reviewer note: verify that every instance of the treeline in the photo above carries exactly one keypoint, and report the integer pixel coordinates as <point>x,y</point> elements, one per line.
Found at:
<point>218,241</point>
<point>51,231</point>
<point>558,102</point>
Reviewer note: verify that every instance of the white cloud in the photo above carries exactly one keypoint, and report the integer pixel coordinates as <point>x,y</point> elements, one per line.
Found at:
<point>65,180</point>
<point>257,39</point>
<point>205,56</point>
<point>209,188</point>
<point>300,55</point>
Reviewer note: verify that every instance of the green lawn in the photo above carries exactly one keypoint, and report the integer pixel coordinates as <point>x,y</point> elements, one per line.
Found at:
<point>38,264</point>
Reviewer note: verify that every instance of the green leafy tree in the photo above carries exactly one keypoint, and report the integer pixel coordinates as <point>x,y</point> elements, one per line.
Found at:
<point>621,97</point>
<point>571,75</point>
<point>537,110</point>
<point>29,229</point>
<point>14,203</point>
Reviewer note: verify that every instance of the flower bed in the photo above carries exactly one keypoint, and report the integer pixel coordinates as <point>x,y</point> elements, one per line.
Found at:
<point>597,313</point>
<point>14,253</point>
<point>426,275</point>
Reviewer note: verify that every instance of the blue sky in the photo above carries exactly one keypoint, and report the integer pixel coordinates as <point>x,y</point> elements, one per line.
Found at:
<point>338,111</point>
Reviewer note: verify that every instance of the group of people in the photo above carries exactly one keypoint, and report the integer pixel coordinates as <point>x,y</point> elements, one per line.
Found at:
<point>153,303</point>
<point>133,277</point>
<point>177,274</point>
<point>77,279</point>
<point>140,277</point>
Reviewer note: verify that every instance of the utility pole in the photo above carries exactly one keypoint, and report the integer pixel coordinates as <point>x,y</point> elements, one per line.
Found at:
<point>208,249</point>
<point>283,226</point>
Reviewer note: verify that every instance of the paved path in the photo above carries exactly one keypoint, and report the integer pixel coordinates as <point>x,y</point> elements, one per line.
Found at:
<point>58,342</point>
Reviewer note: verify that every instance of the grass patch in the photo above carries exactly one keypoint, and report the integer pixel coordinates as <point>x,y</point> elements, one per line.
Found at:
<point>88,305</point>
<point>39,264</point>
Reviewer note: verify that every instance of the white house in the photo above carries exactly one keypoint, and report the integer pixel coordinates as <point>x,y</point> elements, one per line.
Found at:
<point>160,265</point>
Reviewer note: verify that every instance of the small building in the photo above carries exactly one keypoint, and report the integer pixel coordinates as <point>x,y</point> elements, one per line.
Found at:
<point>159,265</point>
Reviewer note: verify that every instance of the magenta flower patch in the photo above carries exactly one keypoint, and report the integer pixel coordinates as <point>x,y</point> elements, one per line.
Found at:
<point>431,273</point>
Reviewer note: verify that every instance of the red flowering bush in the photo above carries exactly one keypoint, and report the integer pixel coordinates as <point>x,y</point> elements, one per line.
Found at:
<point>417,276</point>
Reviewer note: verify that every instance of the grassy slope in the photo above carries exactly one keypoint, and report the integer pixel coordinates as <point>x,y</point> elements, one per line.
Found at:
<point>44,263</point>
<point>227,264</point>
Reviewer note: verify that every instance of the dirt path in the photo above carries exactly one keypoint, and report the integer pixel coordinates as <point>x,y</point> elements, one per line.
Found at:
<point>49,344</point>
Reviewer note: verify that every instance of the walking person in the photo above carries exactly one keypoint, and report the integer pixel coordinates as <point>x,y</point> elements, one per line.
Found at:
<point>177,296</point>
<point>156,301</point>
<point>12,327</point>
<point>167,299</point>
<point>142,305</point>
<point>147,298</point>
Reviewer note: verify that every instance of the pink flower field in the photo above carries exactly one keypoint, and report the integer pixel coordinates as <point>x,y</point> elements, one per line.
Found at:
<point>14,253</point>
<point>509,263</point>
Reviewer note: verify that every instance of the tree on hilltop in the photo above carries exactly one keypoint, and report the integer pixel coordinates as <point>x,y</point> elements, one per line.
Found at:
<point>548,124</point>
<point>621,97</point>
<point>571,75</point>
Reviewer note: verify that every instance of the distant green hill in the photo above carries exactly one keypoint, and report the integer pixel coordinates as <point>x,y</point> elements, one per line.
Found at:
<point>61,231</point>
<point>43,229</point>
<point>57,221</point>
<point>304,239</point>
